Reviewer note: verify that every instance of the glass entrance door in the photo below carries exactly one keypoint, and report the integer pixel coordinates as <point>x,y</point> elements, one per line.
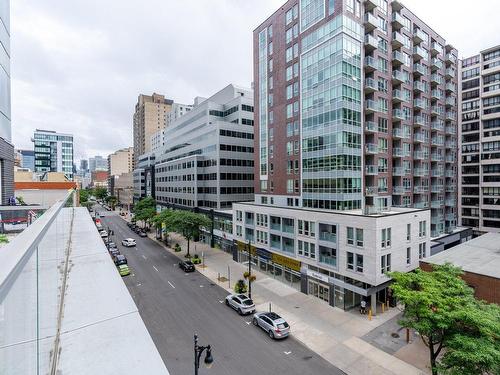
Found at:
<point>319,290</point>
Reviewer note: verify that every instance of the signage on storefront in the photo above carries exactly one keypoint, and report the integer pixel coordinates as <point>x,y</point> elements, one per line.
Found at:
<point>262,253</point>
<point>285,261</point>
<point>318,276</point>
<point>243,247</point>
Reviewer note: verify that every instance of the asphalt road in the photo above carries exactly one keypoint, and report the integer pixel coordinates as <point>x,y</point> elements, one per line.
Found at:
<point>175,305</point>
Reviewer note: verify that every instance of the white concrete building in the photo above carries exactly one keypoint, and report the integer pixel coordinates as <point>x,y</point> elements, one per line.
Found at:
<point>340,257</point>
<point>177,110</point>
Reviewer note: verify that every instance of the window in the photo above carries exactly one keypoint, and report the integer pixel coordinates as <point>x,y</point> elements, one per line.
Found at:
<point>358,239</point>
<point>307,249</point>
<point>238,230</point>
<point>386,238</point>
<point>262,220</point>
<point>385,263</point>
<point>359,263</point>
<point>262,237</point>
<point>421,250</point>
<point>350,236</point>
<point>422,228</point>
<point>239,216</point>
<point>307,228</point>
<point>408,232</point>
<point>382,24</point>
<point>350,261</point>
<point>408,255</point>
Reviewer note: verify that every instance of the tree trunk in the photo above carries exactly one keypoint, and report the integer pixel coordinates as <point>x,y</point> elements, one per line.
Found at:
<point>188,255</point>
<point>433,360</point>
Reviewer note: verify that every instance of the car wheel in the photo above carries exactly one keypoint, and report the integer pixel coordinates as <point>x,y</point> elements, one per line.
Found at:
<point>240,312</point>
<point>271,334</point>
<point>227,303</point>
<point>254,321</point>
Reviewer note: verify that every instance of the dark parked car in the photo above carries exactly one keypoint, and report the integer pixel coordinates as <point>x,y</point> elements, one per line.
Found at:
<point>137,230</point>
<point>120,259</point>
<point>142,234</point>
<point>112,245</point>
<point>130,224</point>
<point>186,265</point>
<point>114,252</point>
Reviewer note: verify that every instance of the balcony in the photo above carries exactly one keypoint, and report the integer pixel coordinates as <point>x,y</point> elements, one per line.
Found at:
<point>328,236</point>
<point>370,64</point>
<point>419,36</point>
<point>420,138</point>
<point>436,157</point>
<point>437,173</point>
<point>420,155</point>
<point>371,106</point>
<point>437,203</point>
<point>399,133</point>
<point>450,203</point>
<point>398,58</point>
<point>371,127</point>
<point>436,94</point>
<point>451,129</point>
<point>421,205</point>
<point>398,21</point>
<point>419,121</point>
<point>450,102</point>
<point>419,70</point>
<point>370,85</point>
<point>450,188</point>
<point>436,63</point>
<point>436,79</point>
<point>371,191</point>
<point>450,73</point>
<point>436,48</point>
<point>450,144</point>
<point>450,87</point>
<point>371,42</point>
<point>419,104</point>
<point>437,125</point>
<point>400,153</point>
<point>398,77</point>
<point>437,110</point>
<point>397,96</point>
<point>438,219</point>
<point>398,115</point>
<point>450,217</point>
<point>421,189</point>
<point>420,172</point>
<point>450,159</point>
<point>399,190</point>
<point>371,148</point>
<point>418,53</point>
<point>437,188</point>
<point>399,171</point>
<point>371,170</point>
<point>437,141</point>
<point>450,116</point>
<point>419,86</point>
<point>370,22</point>
<point>397,40</point>
<point>450,58</point>
<point>450,174</point>
<point>370,4</point>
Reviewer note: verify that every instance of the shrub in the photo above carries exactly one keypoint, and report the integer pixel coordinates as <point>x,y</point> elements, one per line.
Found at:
<point>240,286</point>
<point>177,248</point>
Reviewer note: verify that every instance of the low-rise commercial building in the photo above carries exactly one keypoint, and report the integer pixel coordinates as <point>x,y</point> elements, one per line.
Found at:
<point>340,257</point>
<point>53,152</point>
<point>124,189</point>
<point>480,260</point>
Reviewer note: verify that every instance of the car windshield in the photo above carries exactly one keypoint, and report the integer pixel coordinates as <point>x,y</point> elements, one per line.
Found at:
<point>248,302</point>
<point>283,325</point>
<point>189,263</point>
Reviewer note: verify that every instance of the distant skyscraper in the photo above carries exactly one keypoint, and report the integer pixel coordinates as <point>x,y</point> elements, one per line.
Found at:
<point>53,152</point>
<point>98,163</point>
<point>27,159</point>
<point>84,165</point>
<point>6,147</point>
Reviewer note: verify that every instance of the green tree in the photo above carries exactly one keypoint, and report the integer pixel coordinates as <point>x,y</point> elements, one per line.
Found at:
<point>20,201</point>
<point>146,215</point>
<point>188,224</point>
<point>84,196</point>
<point>145,210</point>
<point>111,200</point>
<point>163,218</point>
<point>3,238</point>
<point>100,192</point>
<point>461,333</point>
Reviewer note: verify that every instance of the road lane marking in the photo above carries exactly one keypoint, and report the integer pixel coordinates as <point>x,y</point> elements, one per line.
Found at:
<point>248,323</point>
<point>172,285</point>
<point>139,284</point>
<point>221,301</point>
<point>287,353</point>
<point>144,256</point>
<point>156,269</point>
<point>201,286</point>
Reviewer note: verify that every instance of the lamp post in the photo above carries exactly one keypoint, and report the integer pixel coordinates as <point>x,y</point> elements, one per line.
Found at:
<point>249,271</point>
<point>198,351</point>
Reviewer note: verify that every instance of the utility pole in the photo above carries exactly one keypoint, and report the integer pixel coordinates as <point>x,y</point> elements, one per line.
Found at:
<point>249,271</point>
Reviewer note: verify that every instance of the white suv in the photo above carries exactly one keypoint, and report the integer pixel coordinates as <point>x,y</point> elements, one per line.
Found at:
<point>128,242</point>
<point>240,303</point>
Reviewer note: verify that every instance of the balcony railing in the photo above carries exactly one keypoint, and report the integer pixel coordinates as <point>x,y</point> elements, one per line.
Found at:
<point>327,236</point>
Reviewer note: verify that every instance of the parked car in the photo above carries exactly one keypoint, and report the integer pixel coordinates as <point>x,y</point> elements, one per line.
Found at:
<point>120,259</point>
<point>114,252</point>
<point>142,234</point>
<point>123,270</point>
<point>240,303</point>
<point>130,224</point>
<point>112,245</point>
<point>186,265</point>
<point>137,230</point>
<point>272,323</point>
<point>103,233</point>
<point>128,242</point>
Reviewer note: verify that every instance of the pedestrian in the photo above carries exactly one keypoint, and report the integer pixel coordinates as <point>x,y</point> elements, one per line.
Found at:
<point>363,306</point>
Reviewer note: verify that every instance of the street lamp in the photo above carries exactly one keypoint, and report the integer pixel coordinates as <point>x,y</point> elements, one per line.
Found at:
<point>198,351</point>
<point>249,271</point>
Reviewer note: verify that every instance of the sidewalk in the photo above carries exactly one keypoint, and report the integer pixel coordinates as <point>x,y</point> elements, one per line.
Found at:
<point>331,332</point>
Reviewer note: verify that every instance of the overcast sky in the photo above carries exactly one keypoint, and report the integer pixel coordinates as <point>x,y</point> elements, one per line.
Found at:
<point>78,65</point>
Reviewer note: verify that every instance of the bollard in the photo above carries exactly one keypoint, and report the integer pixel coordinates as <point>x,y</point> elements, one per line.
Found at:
<point>407,335</point>
<point>228,277</point>
<point>370,314</point>
<point>383,308</point>
<point>269,306</point>
<point>218,277</point>
<point>387,304</point>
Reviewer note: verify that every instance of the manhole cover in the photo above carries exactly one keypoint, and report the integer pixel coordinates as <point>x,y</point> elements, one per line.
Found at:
<point>395,335</point>
<point>297,307</point>
<point>307,357</point>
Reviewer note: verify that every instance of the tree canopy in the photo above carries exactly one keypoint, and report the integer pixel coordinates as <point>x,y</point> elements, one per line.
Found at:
<point>100,192</point>
<point>462,333</point>
<point>145,210</point>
